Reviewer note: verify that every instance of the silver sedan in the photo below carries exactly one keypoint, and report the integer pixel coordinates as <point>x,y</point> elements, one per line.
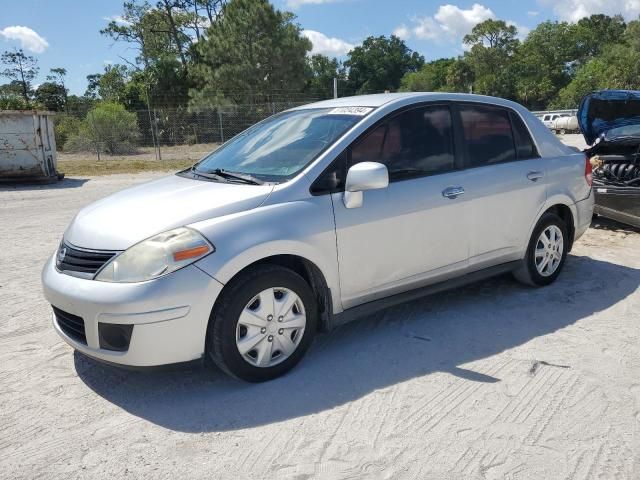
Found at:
<point>313,217</point>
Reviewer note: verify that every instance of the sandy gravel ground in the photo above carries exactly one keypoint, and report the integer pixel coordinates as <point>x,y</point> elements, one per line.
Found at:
<point>490,381</point>
<point>574,140</point>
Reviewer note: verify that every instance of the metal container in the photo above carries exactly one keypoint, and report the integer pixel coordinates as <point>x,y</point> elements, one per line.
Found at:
<point>27,147</point>
<point>564,125</point>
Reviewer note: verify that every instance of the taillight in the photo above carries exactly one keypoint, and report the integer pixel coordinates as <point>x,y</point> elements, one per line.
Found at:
<point>588,171</point>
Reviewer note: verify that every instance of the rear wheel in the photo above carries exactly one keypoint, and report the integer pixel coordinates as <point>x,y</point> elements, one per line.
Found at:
<point>546,252</point>
<point>262,324</point>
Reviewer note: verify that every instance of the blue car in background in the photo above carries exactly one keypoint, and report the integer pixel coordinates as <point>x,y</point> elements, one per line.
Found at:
<point>610,123</point>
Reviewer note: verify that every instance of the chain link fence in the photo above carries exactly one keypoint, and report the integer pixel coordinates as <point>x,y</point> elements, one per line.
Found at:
<point>110,131</point>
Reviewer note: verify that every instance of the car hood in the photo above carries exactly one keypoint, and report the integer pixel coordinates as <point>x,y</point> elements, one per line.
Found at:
<point>127,217</point>
<point>607,109</point>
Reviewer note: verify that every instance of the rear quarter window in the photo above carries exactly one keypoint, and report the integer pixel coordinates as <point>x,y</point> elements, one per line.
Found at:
<point>525,148</point>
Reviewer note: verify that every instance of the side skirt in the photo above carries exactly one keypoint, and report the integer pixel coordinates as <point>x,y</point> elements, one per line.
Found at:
<point>377,305</point>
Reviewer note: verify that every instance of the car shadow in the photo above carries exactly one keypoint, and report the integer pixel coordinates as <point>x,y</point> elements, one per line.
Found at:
<point>602,223</point>
<point>436,334</point>
<point>66,182</point>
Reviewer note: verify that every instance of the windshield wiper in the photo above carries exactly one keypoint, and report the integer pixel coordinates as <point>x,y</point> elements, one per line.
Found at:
<point>244,177</point>
<point>208,175</point>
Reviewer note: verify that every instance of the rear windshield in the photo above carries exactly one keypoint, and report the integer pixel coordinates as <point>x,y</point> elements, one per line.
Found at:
<point>279,147</point>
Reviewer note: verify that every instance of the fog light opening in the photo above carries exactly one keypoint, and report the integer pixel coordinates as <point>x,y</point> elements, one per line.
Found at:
<point>114,337</point>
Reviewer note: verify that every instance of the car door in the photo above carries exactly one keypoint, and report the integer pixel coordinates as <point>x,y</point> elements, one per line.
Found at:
<point>408,233</point>
<point>505,183</point>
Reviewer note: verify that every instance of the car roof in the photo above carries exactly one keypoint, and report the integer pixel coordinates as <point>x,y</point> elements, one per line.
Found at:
<point>380,99</point>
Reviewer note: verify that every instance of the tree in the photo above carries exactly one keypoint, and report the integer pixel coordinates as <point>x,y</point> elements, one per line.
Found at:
<point>380,63</point>
<point>79,105</point>
<point>492,45</point>
<point>619,68</point>
<point>51,96</point>
<point>175,19</point>
<point>164,37</point>
<point>13,88</point>
<point>168,29</point>
<point>494,34</point>
<point>543,63</point>
<point>11,97</point>
<point>57,76</point>
<point>593,34</point>
<point>460,76</point>
<point>147,29</point>
<point>632,35</point>
<point>115,84</point>
<point>321,70</point>
<point>250,53</point>
<point>432,77</point>
<point>20,68</point>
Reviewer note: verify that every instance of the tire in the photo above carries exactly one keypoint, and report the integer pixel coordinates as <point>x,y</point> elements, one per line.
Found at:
<point>563,131</point>
<point>530,273</point>
<point>242,296</point>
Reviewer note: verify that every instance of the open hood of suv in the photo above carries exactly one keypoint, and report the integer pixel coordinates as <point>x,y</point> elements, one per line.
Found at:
<point>601,111</point>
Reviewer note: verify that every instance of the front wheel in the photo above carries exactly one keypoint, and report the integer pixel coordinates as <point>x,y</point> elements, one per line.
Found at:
<point>262,324</point>
<point>546,252</point>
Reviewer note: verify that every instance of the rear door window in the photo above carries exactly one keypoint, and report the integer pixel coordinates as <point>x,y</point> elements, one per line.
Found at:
<point>487,135</point>
<point>414,143</point>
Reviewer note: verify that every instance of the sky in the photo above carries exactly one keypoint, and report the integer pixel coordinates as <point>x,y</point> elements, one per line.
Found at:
<point>66,33</point>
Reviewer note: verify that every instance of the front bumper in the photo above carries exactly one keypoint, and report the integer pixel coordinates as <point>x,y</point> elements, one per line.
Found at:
<point>169,314</point>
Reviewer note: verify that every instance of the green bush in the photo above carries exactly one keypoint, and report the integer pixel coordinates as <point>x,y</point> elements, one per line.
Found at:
<point>109,128</point>
<point>13,102</point>
<point>65,126</point>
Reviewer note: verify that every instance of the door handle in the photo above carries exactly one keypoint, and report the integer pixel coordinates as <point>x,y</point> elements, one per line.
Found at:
<point>453,192</point>
<point>535,176</point>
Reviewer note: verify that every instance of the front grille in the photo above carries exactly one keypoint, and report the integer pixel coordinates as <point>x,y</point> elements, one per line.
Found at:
<point>71,325</point>
<point>74,259</point>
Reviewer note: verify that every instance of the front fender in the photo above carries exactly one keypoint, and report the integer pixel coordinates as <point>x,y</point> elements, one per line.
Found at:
<point>304,228</point>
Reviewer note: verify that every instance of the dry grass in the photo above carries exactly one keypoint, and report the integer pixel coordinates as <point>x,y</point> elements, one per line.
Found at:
<point>78,168</point>
<point>173,159</point>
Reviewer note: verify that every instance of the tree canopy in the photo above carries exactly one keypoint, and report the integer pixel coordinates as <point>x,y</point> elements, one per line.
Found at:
<point>19,68</point>
<point>193,54</point>
<point>252,53</point>
<point>379,64</point>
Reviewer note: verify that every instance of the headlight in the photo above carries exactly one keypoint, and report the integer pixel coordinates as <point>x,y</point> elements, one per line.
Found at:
<point>156,256</point>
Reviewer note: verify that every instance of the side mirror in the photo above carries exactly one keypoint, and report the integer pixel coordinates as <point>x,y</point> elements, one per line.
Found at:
<point>364,176</point>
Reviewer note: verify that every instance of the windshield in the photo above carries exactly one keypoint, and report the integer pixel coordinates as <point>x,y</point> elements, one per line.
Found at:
<point>277,148</point>
<point>624,131</point>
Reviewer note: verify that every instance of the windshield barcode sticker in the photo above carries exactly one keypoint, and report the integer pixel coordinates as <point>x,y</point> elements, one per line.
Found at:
<point>361,111</point>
